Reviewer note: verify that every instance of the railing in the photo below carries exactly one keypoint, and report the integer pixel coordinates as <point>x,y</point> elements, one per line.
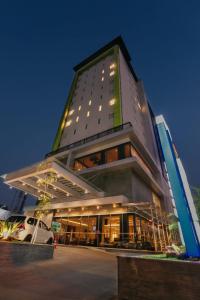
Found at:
<point>90,139</point>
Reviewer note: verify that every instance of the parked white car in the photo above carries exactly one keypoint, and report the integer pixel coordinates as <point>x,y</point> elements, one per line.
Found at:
<point>27,227</point>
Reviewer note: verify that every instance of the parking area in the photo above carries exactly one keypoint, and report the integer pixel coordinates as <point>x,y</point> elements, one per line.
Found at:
<point>74,273</point>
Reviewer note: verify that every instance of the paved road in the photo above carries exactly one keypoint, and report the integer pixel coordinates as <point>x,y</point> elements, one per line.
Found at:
<point>73,274</point>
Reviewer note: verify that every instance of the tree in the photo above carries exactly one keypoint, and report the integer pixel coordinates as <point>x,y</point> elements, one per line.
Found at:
<point>196,197</point>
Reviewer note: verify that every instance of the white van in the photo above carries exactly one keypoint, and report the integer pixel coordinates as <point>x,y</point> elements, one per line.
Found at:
<point>26,229</point>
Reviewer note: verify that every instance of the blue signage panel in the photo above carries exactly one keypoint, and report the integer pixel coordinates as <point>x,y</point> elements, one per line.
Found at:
<point>182,207</point>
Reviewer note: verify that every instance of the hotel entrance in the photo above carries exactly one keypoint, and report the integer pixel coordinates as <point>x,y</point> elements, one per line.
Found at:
<point>110,229</point>
<point>77,231</point>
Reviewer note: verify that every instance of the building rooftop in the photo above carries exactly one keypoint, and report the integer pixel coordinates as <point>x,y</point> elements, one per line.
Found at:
<point>117,41</point>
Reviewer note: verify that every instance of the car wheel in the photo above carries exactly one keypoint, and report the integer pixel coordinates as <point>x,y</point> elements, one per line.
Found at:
<point>28,238</point>
<point>50,241</point>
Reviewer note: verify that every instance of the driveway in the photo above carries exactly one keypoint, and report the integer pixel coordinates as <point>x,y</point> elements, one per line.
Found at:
<point>74,273</point>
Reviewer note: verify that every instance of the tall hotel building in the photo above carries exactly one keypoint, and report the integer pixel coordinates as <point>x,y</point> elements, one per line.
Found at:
<point>110,182</point>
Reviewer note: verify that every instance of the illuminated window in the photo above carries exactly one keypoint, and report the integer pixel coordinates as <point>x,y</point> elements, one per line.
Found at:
<point>112,73</point>
<point>79,108</point>
<point>90,102</point>
<point>111,155</point>
<point>102,72</point>
<point>68,123</point>
<point>88,113</point>
<point>102,78</point>
<point>139,106</point>
<point>100,107</point>
<point>112,102</point>
<point>77,119</point>
<point>71,112</point>
<point>112,66</point>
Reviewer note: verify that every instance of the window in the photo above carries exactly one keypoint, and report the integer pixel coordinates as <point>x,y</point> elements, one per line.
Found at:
<point>86,126</point>
<point>43,226</point>
<point>112,73</point>
<point>99,121</point>
<point>68,123</point>
<point>102,71</point>
<point>71,112</point>
<point>111,155</point>
<point>111,116</point>
<point>88,113</point>
<point>100,107</point>
<point>32,221</point>
<point>112,66</point>
<point>74,131</point>
<point>90,103</point>
<point>79,108</point>
<point>77,119</point>
<point>101,96</point>
<point>102,78</point>
<point>112,102</point>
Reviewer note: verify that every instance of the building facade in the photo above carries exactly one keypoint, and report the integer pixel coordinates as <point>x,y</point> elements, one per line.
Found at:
<point>111,185</point>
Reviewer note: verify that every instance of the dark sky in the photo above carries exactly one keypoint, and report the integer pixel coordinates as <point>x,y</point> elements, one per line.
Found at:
<point>41,41</point>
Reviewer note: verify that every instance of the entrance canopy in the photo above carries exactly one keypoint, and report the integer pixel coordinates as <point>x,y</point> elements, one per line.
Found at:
<point>62,182</point>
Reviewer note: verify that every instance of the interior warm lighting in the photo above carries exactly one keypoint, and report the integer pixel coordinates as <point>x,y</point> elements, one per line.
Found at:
<point>82,208</point>
<point>112,102</point>
<point>67,194</point>
<point>88,113</point>
<point>68,123</point>
<point>114,205</point>
<point>139,106</point>
<point>23,183</point>
<point>112,73</point>
<point>79,108</point>
<point>90,102</point>
<point>86,191</point>
<point>102,78</point>
<point>77,119</point>
<point>112,66</point>
<point>100,107</point>
<point>69,209</point>
<point>102,72</point>
<point>54,188</point>
<point>98,206</point>
<point>71,112</point>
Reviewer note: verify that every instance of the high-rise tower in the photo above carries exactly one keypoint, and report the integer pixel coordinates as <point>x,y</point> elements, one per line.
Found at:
<point>111,182</point>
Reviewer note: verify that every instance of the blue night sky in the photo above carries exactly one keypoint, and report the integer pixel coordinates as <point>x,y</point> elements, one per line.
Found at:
<point>41,41</point>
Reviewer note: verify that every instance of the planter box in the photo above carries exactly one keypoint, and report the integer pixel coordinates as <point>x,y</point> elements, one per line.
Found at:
<point>16,253</point>
<point>152,279</point>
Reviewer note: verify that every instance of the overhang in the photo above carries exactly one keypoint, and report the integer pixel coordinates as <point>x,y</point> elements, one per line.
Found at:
<point>65,183</point>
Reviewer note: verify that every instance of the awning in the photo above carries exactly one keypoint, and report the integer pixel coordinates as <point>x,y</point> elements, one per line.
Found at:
<point>64,184</point>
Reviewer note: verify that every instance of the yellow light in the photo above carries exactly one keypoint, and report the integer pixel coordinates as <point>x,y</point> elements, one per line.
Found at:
<point>69,209</point>
<point>112,102</point>
<point>90,102</point>
<point>86,191</point>
<point>77,119</point>
<point>100,107</point>
<point>114,205</point>
<point>67,194</point>
<point>112,66</point>
<point>71,112</point>
<point>68,123</point>
<point>98,207</point>
<point>82,208</point>
<point>88,113</point>
<point>23,183</point>
<point>112,73</point>
<point>79,108</point>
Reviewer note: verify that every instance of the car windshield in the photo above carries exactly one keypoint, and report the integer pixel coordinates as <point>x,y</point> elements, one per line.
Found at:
<point>17,219</point>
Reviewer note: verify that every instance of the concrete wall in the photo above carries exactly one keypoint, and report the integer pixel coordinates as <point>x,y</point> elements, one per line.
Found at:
<point>12,253</point>
<point>91,87</point>
<point>147,279</point>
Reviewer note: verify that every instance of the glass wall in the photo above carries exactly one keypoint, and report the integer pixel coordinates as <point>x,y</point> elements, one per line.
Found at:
<point>107,156</point>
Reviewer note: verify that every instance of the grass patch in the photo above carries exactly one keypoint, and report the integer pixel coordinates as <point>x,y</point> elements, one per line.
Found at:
<point>159,256</point>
